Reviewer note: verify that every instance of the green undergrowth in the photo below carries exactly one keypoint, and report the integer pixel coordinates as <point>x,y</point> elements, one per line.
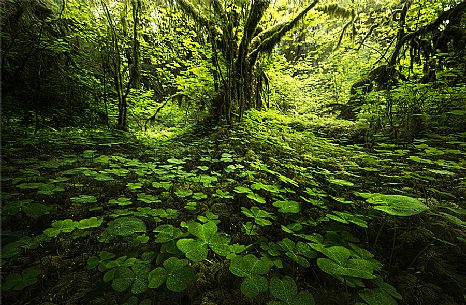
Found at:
<point>261,213</point>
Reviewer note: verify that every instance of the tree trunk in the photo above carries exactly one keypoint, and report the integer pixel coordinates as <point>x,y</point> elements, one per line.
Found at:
<point>241,85</point>
<point>135,68</point>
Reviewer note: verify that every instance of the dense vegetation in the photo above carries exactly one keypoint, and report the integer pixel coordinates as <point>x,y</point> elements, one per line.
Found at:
<point>221,152</point>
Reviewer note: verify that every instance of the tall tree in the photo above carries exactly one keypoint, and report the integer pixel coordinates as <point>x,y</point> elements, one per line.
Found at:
<point>241,41</point>
<point>132,56</point>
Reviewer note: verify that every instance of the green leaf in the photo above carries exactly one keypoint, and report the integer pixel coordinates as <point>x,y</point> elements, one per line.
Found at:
<point>122,201</point>
<point>179,280</point>
<point>420,160</point>
<point>16,281</point>
<point>162,184</point>
<point>126,226</point>
<point>174,263</point>
<point>28,207</point>
<point>253,285</point>
<point>256,197</point>
<point>288,180</point>
<point>167,233</point>
<point>397,205</point>
<point>341,182</point>
<point>92,222</point>
<point>222,194</point>
<point>177,276</point>
<point>442,172</point>
<point>387,288</point>
<point>244,266</point>
<point>258,215</point>
<point>453,219</point>
<point>195,250</point>
<point>220,244</point>
<point>61,226</point>
<point>175,161</point>
<point>157,277</point>
<point>183,193</point>
<point>103,177</point>
<point>284,289</point>
<point>287,206</point>
<point>206,180</point>
<point>134,186</point>
<point>242,190</point>
<point>230,168</point>
<point>339,254</point>
<point>296,251</point>
<point>346,217</point>
<point>13,282</point>
<point>377,296</point>
<point>92,262</point>
<point>266,187</point>
<point>262,221</point>
<point>198,196</point>
<point>83,199</point>
<point>209,216</point>
<point>191,206</point>
<point>140,283</point>
<point>122,279</point>
<point>147,198</point>
<point>105,255</point>
<point>358,268</point>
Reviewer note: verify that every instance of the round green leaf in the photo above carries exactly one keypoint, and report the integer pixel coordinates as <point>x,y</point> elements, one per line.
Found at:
<point>175,161</point>
<point>92,222</point>
<point>244,266</point>
<point>122,279</point>
<point>140,278</point>
<point>174,263</point>
<point>331,267</point>
<point>220,244</point>
<point>195,250</point>
<point>287,206</point>
<point>157,277</point>
<point>242,190</point>
<point>122,201</point>
<point>397,205</point>
<point>256,197</point>
<point>253,285</point>
<point>180,279</point>
<point>126,226</point>
<point>284,289</point>
<point>84,199</point>
<point>167,233</point>
<point>339,254</point>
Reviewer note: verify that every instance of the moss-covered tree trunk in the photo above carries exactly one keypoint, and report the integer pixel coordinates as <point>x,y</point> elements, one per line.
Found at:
<point>238,91</point>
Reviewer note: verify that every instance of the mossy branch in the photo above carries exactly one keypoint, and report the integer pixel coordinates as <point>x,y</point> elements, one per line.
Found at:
<point>334,10</point>
<point>194,13</point>
<point>452,15</point>
<point>218,8</point>
<point>266,40</point>
<point>255,15</point>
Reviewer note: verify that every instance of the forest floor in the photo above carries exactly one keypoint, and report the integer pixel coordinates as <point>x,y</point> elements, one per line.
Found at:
<point>243,215</point>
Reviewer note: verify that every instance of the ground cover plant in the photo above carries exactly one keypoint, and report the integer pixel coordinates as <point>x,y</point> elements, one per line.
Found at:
<point>208,220</point>
<point>233,152</point>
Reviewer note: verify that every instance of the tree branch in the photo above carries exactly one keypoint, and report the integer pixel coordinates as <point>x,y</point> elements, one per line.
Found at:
<point>267,39</point>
